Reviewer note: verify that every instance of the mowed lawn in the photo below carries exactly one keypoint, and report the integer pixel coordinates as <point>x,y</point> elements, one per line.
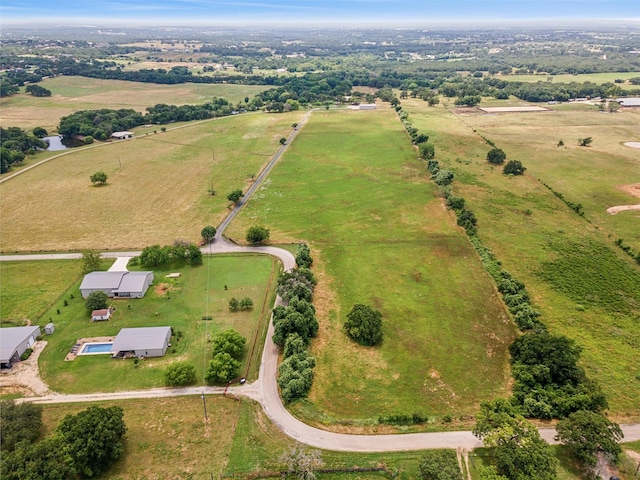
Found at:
<point>157,191</point>
<point>584,286</point>
<point>352,187</point>
<point>70,94</point>
<point>179,303</point>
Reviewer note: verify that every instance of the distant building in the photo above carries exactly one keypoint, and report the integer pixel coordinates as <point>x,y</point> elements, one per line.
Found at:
<point>117,284</point>
<point>122,135</point>
<point>103,314</point>
<point>629,102</point>
<point>15,340</point>
<point>141,342</point>
<point>367,106</point>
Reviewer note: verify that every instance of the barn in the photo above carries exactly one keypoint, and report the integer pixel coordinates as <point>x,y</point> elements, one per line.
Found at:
<point>122,135</point>
<point>141,342</point>
<point>117,284</point>
<point>15,340</point>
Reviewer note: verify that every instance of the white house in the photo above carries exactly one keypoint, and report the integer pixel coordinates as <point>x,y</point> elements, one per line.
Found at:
<point>122,135</point>
<point>103,314</point>
<point>15,340</point>
<point>141,342</point>
<point>117,284</point>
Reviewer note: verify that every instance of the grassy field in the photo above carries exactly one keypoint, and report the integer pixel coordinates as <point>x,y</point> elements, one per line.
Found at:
<point>158,187</point>
<point>352,187</point>
<point>585,287</point>
<point>179,303</point>
<point>70,94</point>
<point>598,78</point>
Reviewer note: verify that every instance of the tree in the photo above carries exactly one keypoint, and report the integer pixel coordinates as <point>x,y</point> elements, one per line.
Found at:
<point>443,177</point>
<point>302,462</point>
<point>585,142</point>
<point>45,460</point>
<point>439,465</point>
<point>427,151</point>
<point>19,422</point>
<point>496,156</point>
<point>98,178</point>
<point>246,304</point>
<point>88,140</point>
<point>516,446</point>
<point>90,261</point>
<point>93,438</point>
<point>230,342</point>
<point>283,140</point>
<point>208,233</point>
<point>37,91</point>
<point>589,435</point>
<point>222,368</point>
<point>40,132</point>
<point>295,375</point>
<point>179,374</point>
<point>303,256</point>
<point>364,325</point>
<point>257,234</point>
<point>513,167</point>
<point>235,196</point>
<point>234,305</point>
<point>96,301</point>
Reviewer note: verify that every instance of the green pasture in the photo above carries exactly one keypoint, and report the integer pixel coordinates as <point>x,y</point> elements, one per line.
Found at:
<point>179,303</point>
<point>70,94</point>
<point>599,78</point>
<point>352,187</point>
<point>157,191</point>
<point>585,287</point>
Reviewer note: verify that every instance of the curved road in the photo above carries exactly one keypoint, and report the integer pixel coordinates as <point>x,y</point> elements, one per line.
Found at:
<point>265,389</point>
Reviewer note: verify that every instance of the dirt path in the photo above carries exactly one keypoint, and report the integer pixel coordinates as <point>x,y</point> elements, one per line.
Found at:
<point>24,377</point>
<point>633,190</point>
<point>622,208</point>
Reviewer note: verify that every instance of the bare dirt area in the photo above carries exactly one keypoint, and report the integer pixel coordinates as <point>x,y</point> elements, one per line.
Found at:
<point>634,190</point>
<point>525,108</point>
<point>24,377</point>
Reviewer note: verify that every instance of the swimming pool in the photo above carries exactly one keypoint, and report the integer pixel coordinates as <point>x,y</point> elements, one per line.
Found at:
<point>96,348</point>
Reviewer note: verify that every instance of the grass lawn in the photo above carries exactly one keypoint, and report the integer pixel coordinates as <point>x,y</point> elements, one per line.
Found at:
<point>352,187</point>
<point>157,192</point>
<point>180,303</point>
<point>70,94</point>
<point>585,287</point>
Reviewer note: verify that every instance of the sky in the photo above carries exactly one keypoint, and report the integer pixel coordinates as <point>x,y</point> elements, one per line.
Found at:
<point>309,12</point>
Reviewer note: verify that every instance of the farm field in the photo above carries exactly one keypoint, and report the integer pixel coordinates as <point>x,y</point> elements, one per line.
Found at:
<point>157,192</point>
<point>352,187</point>
<point>70,94</point>
<point>180,303</point>
<point>598,78</point>
<point>585,287</point>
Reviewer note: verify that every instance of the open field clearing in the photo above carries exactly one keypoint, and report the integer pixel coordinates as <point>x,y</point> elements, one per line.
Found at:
<point>586,288</point>
<point>352,187</point>
<point>70,94</point>
<point>157,189</point>
<point>598,78</point>
<point>180,303</point>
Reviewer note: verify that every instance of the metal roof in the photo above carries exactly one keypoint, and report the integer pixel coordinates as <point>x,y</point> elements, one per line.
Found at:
<point>133,281</point>
<point>11,337</point>
<point>102,280</point>
<point>142,338</point>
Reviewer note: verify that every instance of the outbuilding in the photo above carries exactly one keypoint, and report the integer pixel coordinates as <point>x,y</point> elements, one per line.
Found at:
<point>103,314</point>
<point>49,328</point>
<point>117,284</point>
<point>15,340</point>
<point>122,135</point>
<point>141,342</point>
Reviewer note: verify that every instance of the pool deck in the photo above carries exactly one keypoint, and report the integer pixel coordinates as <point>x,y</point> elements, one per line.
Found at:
<point>73,353</point>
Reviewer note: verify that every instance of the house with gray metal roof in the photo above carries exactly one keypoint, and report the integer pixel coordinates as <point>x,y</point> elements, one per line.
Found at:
<point>117,284</point>
<point>141,342</point>
<point>15,340</point>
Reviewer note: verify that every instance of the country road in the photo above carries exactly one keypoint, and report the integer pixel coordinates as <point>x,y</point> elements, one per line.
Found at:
<point>265,389</point>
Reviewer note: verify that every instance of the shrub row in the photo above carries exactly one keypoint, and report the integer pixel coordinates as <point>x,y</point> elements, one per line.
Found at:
<point>576,207</point>
<point>403,419</point>
<point>179,252</point>
<point>628,250</point>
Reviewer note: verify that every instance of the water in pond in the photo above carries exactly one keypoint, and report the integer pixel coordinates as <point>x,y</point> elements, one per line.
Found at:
<point>55,143</point>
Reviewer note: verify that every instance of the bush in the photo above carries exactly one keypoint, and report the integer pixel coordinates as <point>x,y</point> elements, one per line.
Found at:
<point>513,167</point>
<point>303,256</point>
<point>26,354</point>
<point>246,304</point>
<point>257,234</point>
<point>179,374</point>
<point>364,325</point>
<point>234,305</point>
<point>496,156</point>
<point>440,465</point>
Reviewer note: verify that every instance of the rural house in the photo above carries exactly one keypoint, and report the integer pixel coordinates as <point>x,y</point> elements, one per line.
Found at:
<point>15,340</point>
<point>141,342</point>
<point>117,284</point>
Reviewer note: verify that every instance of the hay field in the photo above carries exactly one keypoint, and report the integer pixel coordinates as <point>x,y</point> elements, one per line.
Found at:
<point>584,286</point>
<point>598,78</point>
<point>70,94</point>
<point>157,189</point>
<point>351,185</point>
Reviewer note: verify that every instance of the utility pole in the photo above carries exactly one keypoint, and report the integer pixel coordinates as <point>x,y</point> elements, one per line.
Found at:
<point>204,406</point>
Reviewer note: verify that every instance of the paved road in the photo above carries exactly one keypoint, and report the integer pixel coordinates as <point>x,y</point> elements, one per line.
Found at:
<point>265,389</point>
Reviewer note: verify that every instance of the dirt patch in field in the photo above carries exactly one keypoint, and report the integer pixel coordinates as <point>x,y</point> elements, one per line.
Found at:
<point>632,144</point>
<point>525,108</point>
<point>163,288</point>
<point>634,190</point>
<point>24,377</point>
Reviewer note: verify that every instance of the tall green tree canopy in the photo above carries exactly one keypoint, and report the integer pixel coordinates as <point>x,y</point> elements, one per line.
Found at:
<point>364,325</point>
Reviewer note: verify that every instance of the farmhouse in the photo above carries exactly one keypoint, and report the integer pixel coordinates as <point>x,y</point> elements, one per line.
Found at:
<point>141,342</point>
<point>117,284</point>
<point>122,135</point>
<point>15,340</point>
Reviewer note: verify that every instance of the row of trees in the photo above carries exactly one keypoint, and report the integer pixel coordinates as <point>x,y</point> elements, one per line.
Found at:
<point>180,252</point>
<point>82,446</point>
<point>15,145</point>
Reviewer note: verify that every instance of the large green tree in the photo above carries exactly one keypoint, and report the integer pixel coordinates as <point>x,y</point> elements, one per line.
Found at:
<point>257,234</point>
<point>179,374</point>
<point>208,233</point>
<point>364,325</point>
<point>91,261</point>
<point>496,156</point>
<point>589,435</point>
<point>222,368</point>
<point>235,196</point>
<point>230,342</point>
<point>19,422</point>
<point>93,438</point>
<point>96,301</point>
<point>513,167</point>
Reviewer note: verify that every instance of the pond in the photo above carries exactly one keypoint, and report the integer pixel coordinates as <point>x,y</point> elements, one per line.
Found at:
<point>55,143</point>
